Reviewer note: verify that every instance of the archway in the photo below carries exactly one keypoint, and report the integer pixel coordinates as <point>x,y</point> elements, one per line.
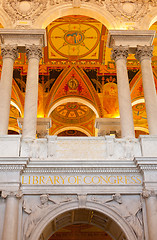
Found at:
<point>72,128</point>
<point>73,99</point>
<point>90,212</point>
<point>86,9</point>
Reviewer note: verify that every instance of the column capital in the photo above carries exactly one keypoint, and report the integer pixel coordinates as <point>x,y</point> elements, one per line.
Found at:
<point>148,193</point>
<point>119,52</point>
<point>18,194</point>
<point>144,52</point>
<point>9,51</point>
<point>34,51</point>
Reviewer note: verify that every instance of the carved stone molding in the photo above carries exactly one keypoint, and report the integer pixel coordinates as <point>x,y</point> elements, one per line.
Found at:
<point>130,212</point>
<point>18,194</point>
<point>144,52</point>
<point>9,51</point>
<point>34,51</point>
<point>81,170</point>
<point>146,163</point>
<point>129,10</point>
<point>57,2</point>
<point>119,52</point>
<point>16,164</point>
<point>24,10</point>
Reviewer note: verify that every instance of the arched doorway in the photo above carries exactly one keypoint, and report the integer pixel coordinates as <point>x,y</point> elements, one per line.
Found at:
<point>80,231</point>
<point>84,217</point>
<point>72,212</point>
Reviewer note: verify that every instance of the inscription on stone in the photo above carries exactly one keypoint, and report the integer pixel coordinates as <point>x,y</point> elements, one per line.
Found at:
<point>81,180</point>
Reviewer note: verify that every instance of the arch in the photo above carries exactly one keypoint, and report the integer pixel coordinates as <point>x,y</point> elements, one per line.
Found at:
<point>86,9</point>
<point>143,129</point>
<point>73,99</point>
<point>149,19</point>
<point>53,213</point>
<point>16,106</point>
<point>14,129</point>
<point>72,128</point>
<point>138,101</point>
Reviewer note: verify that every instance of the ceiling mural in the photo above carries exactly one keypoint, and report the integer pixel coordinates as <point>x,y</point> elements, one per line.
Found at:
<point>72,133</point>
<point>74,83</point>
<point>139,115</point>
<point>76,64</point>
<point>73,114</point>
<point>14,115</point>
<point>76,37</point>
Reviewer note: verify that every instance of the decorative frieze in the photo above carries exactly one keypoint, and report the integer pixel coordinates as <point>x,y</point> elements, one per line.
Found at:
<point>129,10</point>
<point>24,10</point>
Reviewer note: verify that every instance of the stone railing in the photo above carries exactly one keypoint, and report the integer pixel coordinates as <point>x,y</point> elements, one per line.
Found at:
<point>78,148</point>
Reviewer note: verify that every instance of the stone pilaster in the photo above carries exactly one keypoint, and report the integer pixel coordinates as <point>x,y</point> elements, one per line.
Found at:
<point>34,54</point>
<point>148,167</point>
<point>119,54</point>
<point>9,54</point>
<point>10,226</point>
<point>151,204</point>
<point>144,55</point>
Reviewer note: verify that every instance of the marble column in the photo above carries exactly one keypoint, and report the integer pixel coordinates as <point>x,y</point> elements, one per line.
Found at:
<point>151,205</point>
<point>34,54</point>
<point>144,55</point>
<point>9,54</point>
<point>10,226</point>
<point>119,54</point>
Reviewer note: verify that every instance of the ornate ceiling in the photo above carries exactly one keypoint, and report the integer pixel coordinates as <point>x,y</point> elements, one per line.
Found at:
<point>76,70</point>
<point>73,114</point>
<point>80,231</point>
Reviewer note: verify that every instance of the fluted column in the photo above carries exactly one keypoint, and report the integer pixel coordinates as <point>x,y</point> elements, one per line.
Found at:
<point>34,53</point>
<point>144,55</point>
<point>119,54</point>
<point>151,204</point>
<point>10,226</point>
<point>9,54</point>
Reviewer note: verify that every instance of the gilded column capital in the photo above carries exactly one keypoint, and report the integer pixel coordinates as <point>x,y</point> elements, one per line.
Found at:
<point>34,51</point>
<point>9,51</point>
<point>18,194</point>
<point>119,52</point>
<point>144,52</point>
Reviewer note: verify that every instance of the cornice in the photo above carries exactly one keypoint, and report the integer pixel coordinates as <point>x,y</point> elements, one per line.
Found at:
<point>81,167</point>
<point>146,163</point>
<point>13,163</point>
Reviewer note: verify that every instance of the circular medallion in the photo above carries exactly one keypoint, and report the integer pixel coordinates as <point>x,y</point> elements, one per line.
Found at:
<point>72,106</point>
<point>73,83</point>
<point>74,37</point>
